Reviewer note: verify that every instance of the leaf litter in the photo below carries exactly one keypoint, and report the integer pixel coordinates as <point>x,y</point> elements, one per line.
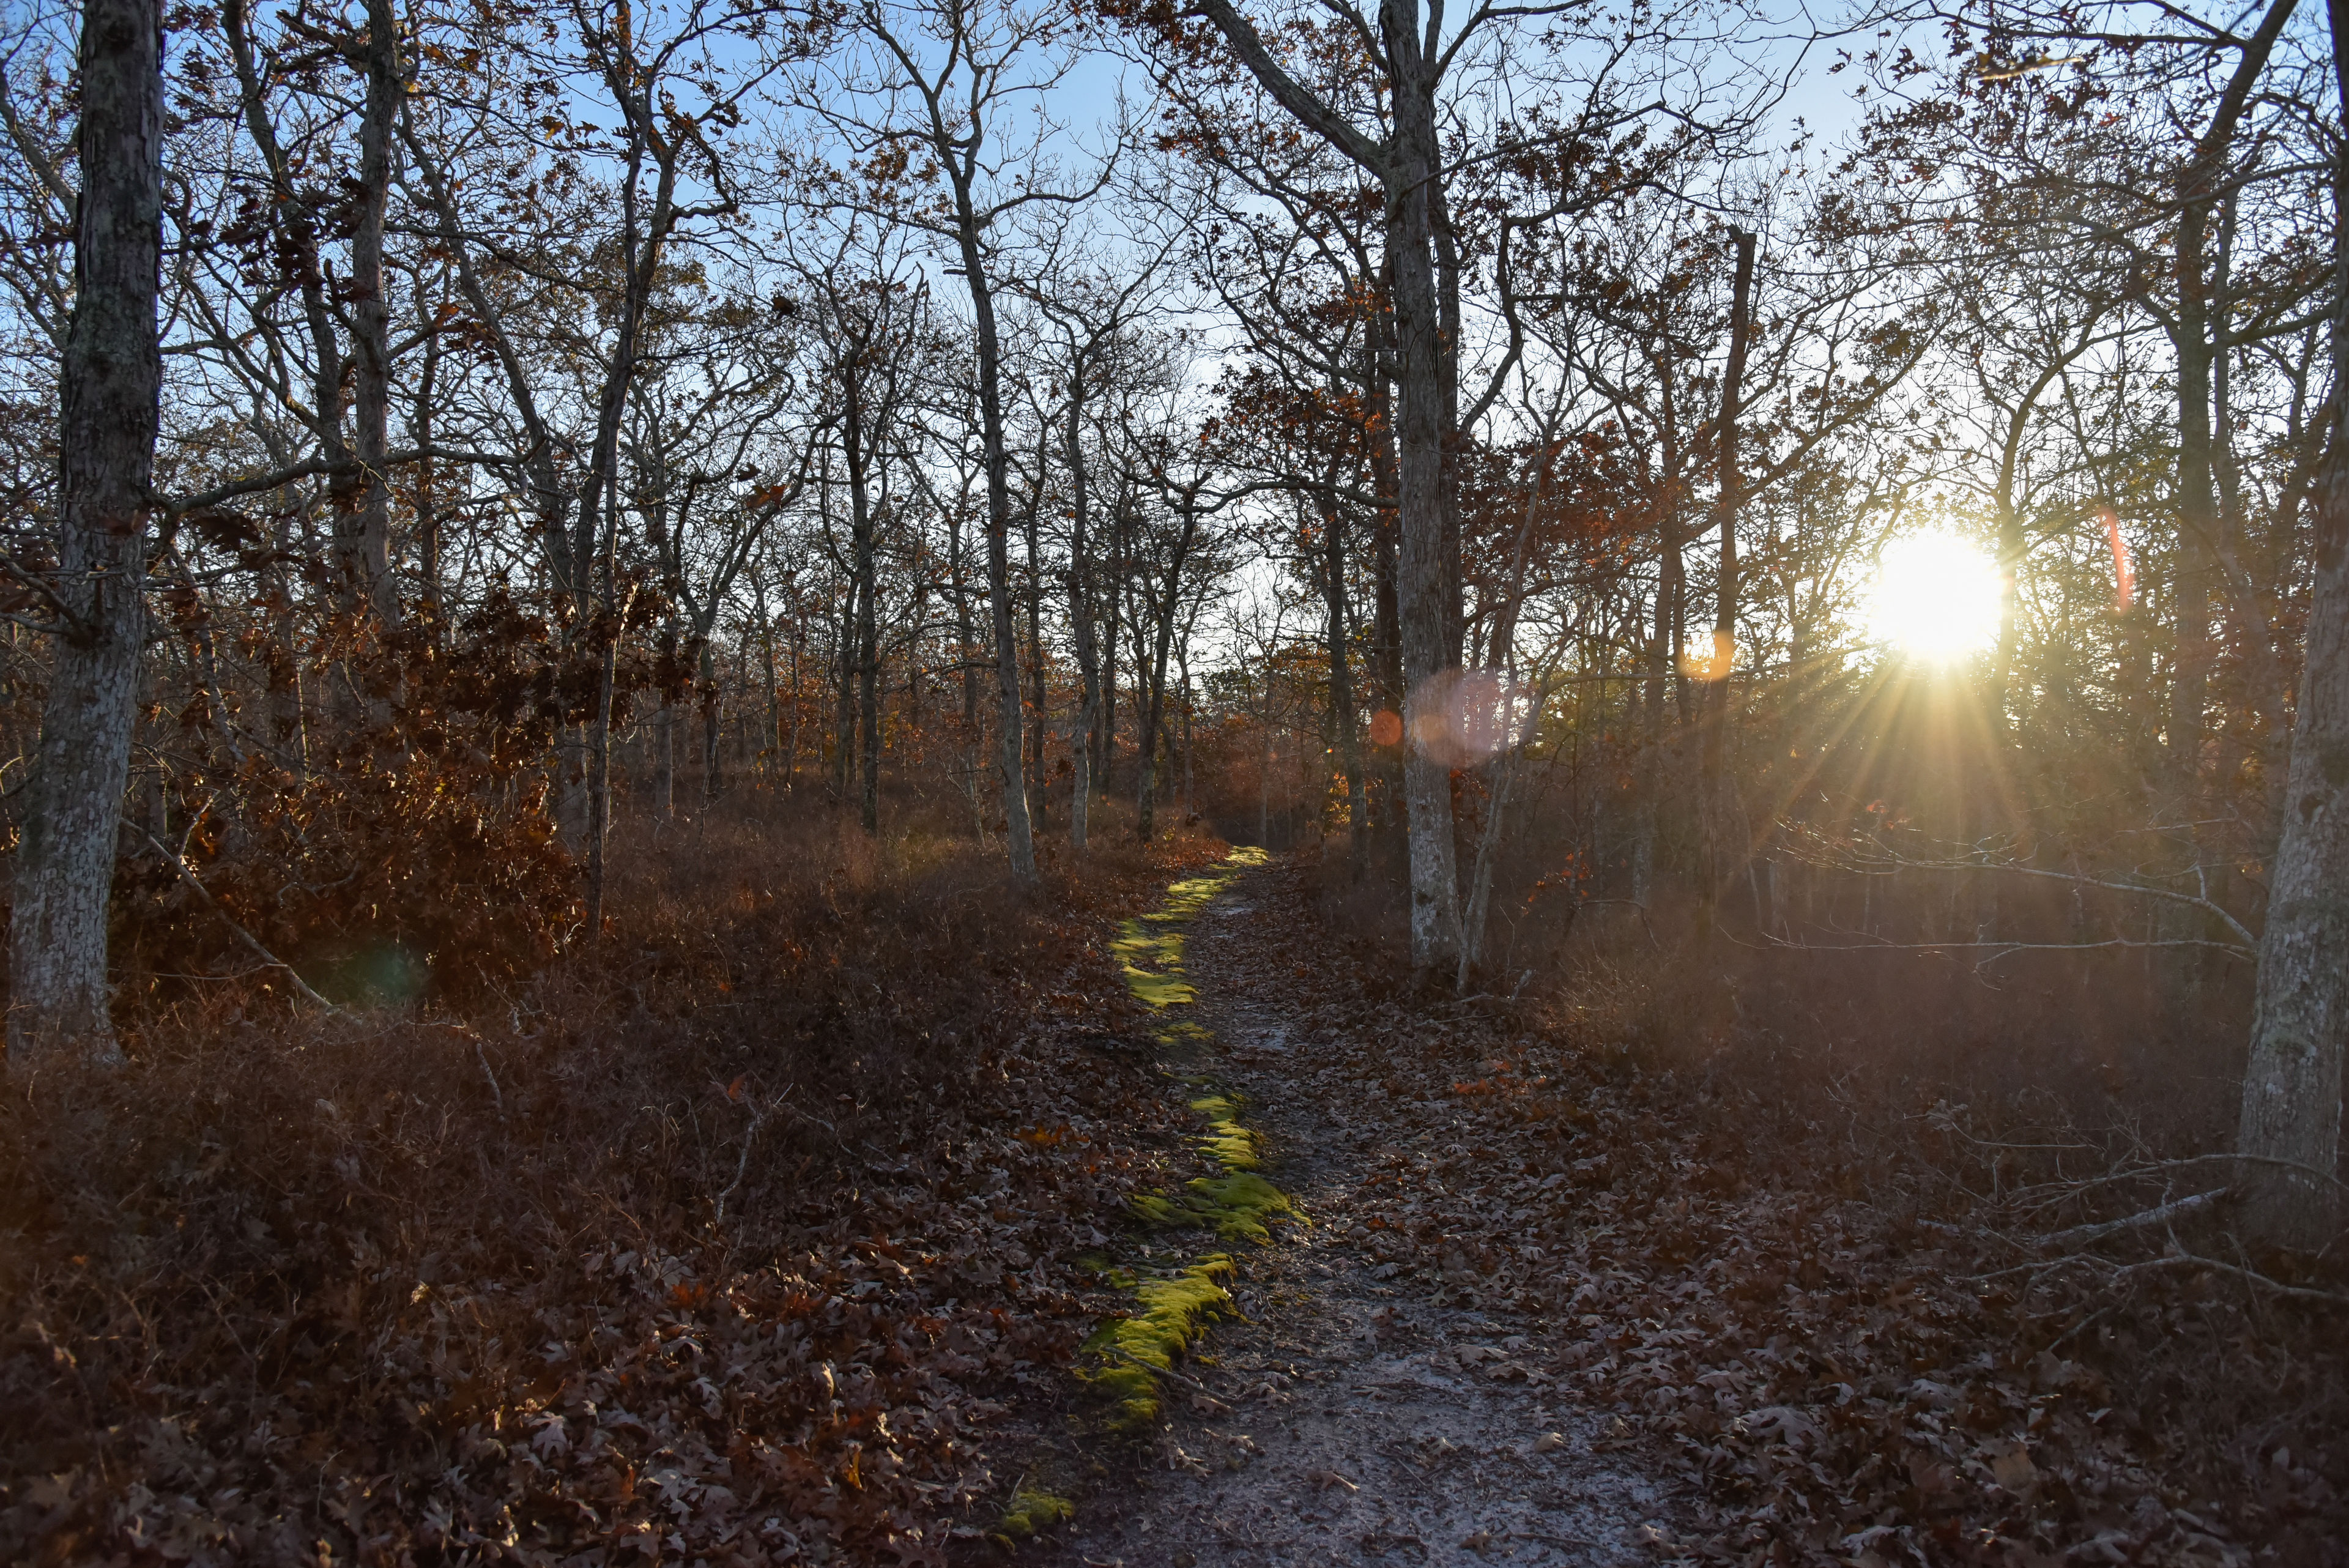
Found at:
<point>1559,1305</point>
<point>1552,1306</point>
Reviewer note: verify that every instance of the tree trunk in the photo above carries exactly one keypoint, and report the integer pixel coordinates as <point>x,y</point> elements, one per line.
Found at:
<point>1037,703</point>
<point>711,781</point>
<point>792,741</point>
<point>1105,758</point>
<point>867,666</point>
<point>599,785</point>
<point>1428,619</point>
<point>365,545</point>
<point>109,389</point>
<point>1725,842</point>
<point>2291,1087</point>
<point>1648,705</point>
<point>1341,674</point>
<point>2190,595</point>
<point>427,505</point>
<point>1264,768</point>
<point>1020,836</point>
<point>1386,662</point>
<point>1081,618</point>
<point>844,705</point>
<point>773,750</point>
<point>1190,795</point>
<point>1665,663</point>
<point>1154,699</point>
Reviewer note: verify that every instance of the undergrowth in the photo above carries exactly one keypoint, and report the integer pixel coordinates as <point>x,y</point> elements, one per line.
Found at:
<point>711,1240</point>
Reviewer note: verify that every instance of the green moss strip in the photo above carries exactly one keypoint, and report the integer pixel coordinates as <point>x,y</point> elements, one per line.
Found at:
<point>1132,1350</point>
<point>1128,1355</point>
<point>1230,1145</point>
<point>1238,1207</point>
<point>1153,957</point>
<point>1030,1511</point>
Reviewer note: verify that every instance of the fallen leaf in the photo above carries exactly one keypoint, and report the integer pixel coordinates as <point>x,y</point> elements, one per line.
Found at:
<point>2010,1462</point>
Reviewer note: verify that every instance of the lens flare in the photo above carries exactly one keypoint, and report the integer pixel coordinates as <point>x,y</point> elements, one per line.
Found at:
<point>1936,596</point>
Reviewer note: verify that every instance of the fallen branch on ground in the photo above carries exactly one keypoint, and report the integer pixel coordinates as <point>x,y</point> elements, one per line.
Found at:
<point>2080,1235</point>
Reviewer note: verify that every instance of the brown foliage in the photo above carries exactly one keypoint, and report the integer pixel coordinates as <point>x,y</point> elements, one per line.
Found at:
<point>404,847</point>
<point>406,1289</point>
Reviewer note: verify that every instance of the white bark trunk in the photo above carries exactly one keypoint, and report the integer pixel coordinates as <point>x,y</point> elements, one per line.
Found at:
<point>2292,1085</point>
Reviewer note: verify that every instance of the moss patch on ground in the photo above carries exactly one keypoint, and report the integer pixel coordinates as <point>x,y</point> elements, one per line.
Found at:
<point>1131,1352</point>
<point>1031,1510</point>
<point>1151,954</point>
<point>1232,1146</point>
<point>1127,1356</point>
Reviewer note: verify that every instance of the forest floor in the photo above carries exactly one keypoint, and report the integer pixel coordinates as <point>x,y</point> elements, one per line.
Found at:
<point>848,1212</point>
<point>1552,1295</point>
<point>1353,1409</point>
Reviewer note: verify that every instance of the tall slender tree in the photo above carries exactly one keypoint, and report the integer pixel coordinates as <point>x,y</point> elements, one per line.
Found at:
<point>110,408</point>
<point>2300,1024</point>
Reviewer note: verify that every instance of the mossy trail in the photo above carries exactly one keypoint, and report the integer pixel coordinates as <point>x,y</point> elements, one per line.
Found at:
<point>1369,1399</point>
<point>1126,1358</point>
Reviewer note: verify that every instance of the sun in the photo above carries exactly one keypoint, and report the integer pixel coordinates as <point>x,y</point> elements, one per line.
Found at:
<point>1936,596</point>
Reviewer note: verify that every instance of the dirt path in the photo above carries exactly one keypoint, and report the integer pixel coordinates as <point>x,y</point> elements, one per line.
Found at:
<point>1358,1411</point>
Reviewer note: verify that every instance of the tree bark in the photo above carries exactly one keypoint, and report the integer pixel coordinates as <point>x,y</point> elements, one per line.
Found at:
<point>1341,674</point>
<point>1154,699</point>
<point>1725,840</point>
<point>855,439</point>
<point>1081,617</point>
<point>1121,519</point>
<point>1020,835</point>
<point>109,391</point>
<point>1420,418</point>
<point>1408,164</point>
<point>2292,1085</point>
<point>364,531</point>
<point>427,502</point>
<point>1037,703</point>
<point>712,780</point>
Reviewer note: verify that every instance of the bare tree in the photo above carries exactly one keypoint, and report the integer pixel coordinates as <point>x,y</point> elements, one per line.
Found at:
<point>942,81</point>
<point>2291,1087</point>
<point>111,392</point>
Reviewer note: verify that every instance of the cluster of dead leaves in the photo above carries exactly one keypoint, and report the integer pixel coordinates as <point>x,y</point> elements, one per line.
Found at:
<point>428,1295</point>
<point>1807,1333</point>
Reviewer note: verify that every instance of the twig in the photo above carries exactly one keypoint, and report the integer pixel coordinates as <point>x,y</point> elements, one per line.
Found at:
<point>2092,1318</point>
<point>34,583</point>
<point>2070,1189</point>
<point>2001,949</point>
<point>2250,1276</point>
<point>2079,1235</point>
<point>1899,862</point>
<point>742,1164</point>
<point>247,938</point>
<point>495,1094</point>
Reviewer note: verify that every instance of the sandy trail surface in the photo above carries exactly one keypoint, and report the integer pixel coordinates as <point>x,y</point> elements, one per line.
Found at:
<point>1356,1410</point>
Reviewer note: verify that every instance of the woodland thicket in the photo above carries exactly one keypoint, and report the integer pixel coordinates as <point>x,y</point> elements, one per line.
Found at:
<point>545,537</point>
